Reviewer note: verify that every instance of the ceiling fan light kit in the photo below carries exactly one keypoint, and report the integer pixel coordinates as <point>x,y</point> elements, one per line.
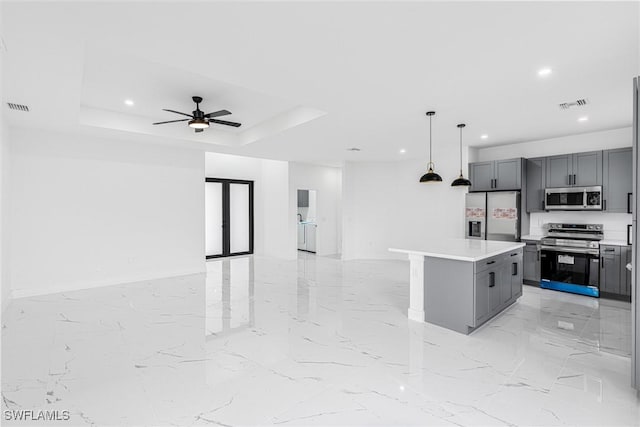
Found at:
<point>430,176</point>
<point>198,124</point>
<point>198,120</point>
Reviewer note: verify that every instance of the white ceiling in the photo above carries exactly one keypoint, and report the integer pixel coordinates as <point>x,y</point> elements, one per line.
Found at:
<point>374,68</point>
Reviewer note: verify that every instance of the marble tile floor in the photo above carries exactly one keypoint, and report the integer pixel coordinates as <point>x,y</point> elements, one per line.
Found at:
<point>315,341</point>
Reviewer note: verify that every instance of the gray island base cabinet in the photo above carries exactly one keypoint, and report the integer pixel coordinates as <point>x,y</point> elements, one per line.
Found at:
<point>461,284</point>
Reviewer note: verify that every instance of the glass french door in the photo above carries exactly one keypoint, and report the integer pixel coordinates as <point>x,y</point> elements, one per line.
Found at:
<point>228,217</point>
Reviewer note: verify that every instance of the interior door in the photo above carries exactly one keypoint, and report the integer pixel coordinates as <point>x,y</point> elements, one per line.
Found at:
<point>213,218</point>
<point>228,217</point>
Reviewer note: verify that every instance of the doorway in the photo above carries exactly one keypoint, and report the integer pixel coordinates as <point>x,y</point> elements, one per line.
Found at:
<point>228,217</point>
<point>307,220</point>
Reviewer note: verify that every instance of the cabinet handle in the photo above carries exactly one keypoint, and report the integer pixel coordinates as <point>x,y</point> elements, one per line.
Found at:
<point>609,250</point>
<point>514,269</point>
<point>568,179</point>
<point>495,183</point>
<point>604,205</point>
<point>629,202</point>
<point>514,254</point>
<point>602,262</point>
<point>491,262</point>
<point>492,279</point>
<point>574,179</point>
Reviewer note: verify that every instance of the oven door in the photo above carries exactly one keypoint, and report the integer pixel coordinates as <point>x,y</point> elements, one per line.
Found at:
<point>574,270</point>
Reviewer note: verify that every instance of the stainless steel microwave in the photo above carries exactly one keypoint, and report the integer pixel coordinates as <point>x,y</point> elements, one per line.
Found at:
<point>573,198</point>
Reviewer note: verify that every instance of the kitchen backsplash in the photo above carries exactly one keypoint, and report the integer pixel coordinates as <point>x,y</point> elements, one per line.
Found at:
<point>615,224</point>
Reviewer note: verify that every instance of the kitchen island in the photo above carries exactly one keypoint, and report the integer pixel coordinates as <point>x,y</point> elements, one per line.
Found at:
<point>461,283</point>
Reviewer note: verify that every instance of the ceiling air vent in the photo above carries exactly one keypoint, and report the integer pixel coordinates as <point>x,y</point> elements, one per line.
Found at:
<point>578,103</point>
<point>17,107</point>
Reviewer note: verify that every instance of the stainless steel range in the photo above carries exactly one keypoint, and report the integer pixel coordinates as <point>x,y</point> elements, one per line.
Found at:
<point>570,258</point>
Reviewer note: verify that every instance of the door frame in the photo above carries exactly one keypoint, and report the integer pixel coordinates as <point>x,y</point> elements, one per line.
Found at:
<point>226,217</point>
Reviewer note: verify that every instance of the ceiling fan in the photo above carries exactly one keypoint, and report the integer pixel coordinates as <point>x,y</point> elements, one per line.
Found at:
<point>199,120</point>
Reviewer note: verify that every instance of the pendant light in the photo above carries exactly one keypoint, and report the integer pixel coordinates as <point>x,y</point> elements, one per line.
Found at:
<point>461,181</point>
<point>430,176</point>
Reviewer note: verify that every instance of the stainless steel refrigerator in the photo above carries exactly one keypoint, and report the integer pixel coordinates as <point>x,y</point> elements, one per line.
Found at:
<point>493,216</point>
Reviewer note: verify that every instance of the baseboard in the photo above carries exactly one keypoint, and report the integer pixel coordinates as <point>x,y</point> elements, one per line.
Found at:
<point>24,293</point>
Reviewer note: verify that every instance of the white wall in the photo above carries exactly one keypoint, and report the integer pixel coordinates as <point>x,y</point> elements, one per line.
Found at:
<point>87,212</point>
<point>327,181</point>
<point>386,206</point>
<point>616,138</point>
<point>615,225</point>
<point>5,286</point>
<point>271,197</point>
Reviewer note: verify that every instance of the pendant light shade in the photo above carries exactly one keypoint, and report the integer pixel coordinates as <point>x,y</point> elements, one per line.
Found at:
<point>461,181</point>
<point>430,176</point>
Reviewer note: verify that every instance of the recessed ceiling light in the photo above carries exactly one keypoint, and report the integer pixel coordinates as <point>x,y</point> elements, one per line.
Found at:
<point>543,72</point>
<point>583,119</point>
<point>484,136</point>
<point>129,102</point>
<point>402,151</point>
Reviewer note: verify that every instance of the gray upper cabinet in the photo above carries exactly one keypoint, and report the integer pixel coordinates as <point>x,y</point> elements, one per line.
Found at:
<point>496,175</point>
<point>481,176</point>
<point>508,174</point>
<point>617,179</point>
<point>579,169</point>
<point>587,168</point>
<point>536,182</point>
<point>558,171</point>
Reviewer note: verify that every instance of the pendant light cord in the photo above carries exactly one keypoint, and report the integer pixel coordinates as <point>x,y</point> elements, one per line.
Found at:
<point>460,150</point>
<point>430,126</point>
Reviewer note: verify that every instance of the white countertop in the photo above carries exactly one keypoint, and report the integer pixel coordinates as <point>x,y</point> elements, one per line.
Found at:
<point>462,249</point>
<point>613,242</point>
<point>532,237</point>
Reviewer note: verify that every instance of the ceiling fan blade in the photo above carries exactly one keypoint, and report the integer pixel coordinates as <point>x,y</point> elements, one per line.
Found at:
<point>171,121</point>
<point>223,122</point>
<point>177,112</point>
<point>199,130</point>
<point>217,114</point>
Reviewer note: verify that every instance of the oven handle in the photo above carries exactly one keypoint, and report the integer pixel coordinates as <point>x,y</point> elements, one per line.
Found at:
<point>570,250</point>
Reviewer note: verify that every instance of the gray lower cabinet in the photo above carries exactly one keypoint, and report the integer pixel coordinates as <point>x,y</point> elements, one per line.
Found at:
<point>498,283</point>
<point>579,169</point>
<point>615,282</point>
<point>617,181</point>
<point>625,255</point>
<point>536,182</point>
<point>531,264</point>
<point>610,270</point>
<point>516,274</point>
<point>462,295</point>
